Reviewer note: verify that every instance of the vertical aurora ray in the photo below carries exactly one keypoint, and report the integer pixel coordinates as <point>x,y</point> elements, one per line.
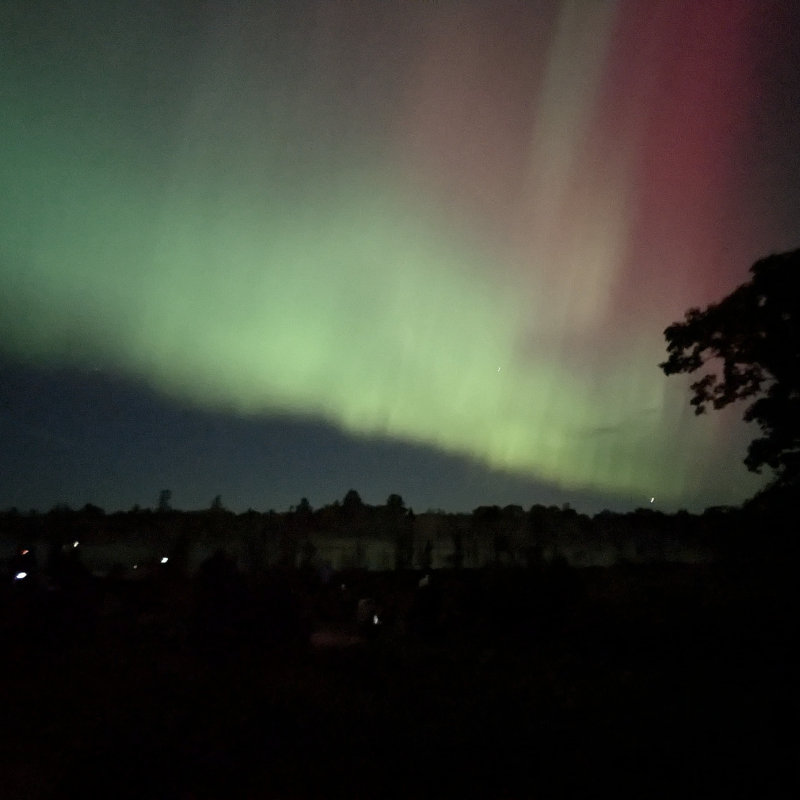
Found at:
<point>414,224</point>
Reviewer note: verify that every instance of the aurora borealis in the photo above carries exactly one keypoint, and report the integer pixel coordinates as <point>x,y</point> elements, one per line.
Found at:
<point>462,227</point>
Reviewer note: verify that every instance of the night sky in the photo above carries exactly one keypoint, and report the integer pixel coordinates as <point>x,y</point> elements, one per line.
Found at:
<point>276,250</point>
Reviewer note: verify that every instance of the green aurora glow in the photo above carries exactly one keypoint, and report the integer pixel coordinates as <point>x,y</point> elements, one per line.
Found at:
<point>355,308</point>
<point>331,288</point>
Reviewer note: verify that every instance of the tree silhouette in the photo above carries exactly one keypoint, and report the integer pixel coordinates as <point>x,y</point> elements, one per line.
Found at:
<point>216,503</point>
<point>352,500</point>
<point>458,550</point>
<point>395,504</point>
<point>753,338</point>
<point>164,496</point>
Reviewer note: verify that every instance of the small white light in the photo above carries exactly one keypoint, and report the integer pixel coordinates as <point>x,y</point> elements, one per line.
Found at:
<point>74,544</point>
<point>25,552</point>
<point>375,619</point>
<point>136,566</point>
<point>20,575</point>
<point>652,499</point>
<point>164,560</point>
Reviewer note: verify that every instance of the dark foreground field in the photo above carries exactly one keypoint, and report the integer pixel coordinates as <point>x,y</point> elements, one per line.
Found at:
<point>630,682</point>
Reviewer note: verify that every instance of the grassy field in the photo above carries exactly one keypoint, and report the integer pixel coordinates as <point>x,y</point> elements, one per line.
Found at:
<point>631,681</point>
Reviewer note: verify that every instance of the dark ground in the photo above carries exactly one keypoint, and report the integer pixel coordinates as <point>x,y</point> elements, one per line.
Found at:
<point>630,682</point>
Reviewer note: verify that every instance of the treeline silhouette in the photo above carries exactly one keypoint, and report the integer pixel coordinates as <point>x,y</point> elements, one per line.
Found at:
<point>240,660</point>
<point>353,534</point>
